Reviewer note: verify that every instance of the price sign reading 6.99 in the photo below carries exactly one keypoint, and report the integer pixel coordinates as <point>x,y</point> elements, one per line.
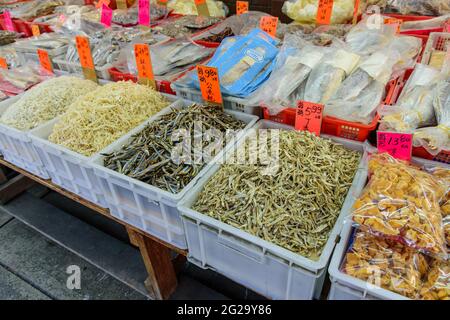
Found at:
<point>209,84</point>
<point>398,145</point>
<point>309,117</point>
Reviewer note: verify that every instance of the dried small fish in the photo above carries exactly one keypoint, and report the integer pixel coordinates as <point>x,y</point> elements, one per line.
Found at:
<point>148,157</point>
<point>298,206</point>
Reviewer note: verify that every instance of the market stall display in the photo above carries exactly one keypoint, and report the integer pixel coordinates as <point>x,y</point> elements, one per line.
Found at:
<point>185,26</point>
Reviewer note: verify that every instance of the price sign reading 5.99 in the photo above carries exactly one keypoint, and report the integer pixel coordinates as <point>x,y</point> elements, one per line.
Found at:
<point>209,84</point>
<point>398,145</point>
<point>309,117</point>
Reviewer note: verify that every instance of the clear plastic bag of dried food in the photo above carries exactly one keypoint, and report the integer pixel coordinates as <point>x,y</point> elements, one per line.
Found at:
<point>18,80</point>
<point>402,202</point>
<point>414,7</point>
<point>436,285</point>
<point>305,11</point>
<point>385,264</point>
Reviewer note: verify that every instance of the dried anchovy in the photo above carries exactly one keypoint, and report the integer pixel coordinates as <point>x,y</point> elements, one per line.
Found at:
<point>295,208</point>
<point>148,156</point>
<point>218,37</point>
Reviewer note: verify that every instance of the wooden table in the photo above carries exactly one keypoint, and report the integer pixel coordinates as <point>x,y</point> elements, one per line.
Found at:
<point>162,280</point>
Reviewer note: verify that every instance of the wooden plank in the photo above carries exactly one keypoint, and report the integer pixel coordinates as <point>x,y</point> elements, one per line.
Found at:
<point>90,205</point>
<point>14,187</point>
<point>133,238</point>
<point>162,280</point>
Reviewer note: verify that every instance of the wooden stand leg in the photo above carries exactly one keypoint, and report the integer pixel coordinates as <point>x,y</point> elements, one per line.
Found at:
<point>162,280</point>
<point>12,188</point>
<point>3,177</point>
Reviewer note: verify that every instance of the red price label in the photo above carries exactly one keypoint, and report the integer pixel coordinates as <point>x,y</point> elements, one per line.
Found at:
<point>269,24</point>
<point>8,21</point>
<point>209,84</point>
<point>398,145</point>
<point>106,17</point>
<point>44,60</point>
<point>3,63</point>
<point>143,61</point>
<point>84,52</point>
<point>309,117</point>
<point>324,11</point>
<point>199,2</point>
<point>241,7</point>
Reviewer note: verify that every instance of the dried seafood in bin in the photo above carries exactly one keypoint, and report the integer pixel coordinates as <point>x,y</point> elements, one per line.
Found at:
<point>437,283</point>
<point>7,37</point>
<point>188,7</point>
<point>402,202</point>
<point>148,157</point>
<point>45,101</point>
<point>297,206</point>
<point>102,116</point>
<point>218,37</point>
<point>186,25</point>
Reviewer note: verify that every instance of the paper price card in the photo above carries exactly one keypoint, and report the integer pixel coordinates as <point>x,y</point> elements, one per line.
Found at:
<point>85,55</point>
<point>121,4</point>
<point>324,11</point>
<point>395,22</point>
<point>106,17</point>
<point>3,63</point>
<point>8,21</point>
<point>101,3</point>
<point>309,117</point>
<point>398,145</point>
<point>356,11</point>
<point>144,12</point>
<point>269,24</point>
<point>241,7</point>
<point>144,65</point>
<point>202,8</point>
<point>35,30</point>
<point>209,84</point>
<point>44,60</point>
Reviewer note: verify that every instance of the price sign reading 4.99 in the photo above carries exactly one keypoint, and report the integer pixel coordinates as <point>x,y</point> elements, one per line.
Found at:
<point>87,63</point>
<point>269,24</point>
<point>324,11</point>
<point>209,84</point>
<point>144,65</point>
<point>309,117</point>
<point>241,7</point>
<point>398,145</point>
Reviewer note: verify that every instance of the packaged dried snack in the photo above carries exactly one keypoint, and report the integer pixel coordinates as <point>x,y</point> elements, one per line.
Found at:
<point>403,203</point>
<point>436,285</point>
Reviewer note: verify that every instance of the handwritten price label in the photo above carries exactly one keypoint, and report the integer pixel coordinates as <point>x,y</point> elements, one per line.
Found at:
<point>84,52</point>
<point>144,12</point>
<point>106,17</point>
<point>35,30</point>
<point>398,145</point>
<point>209,84</point>
<point>144,64</point>
<point>101,3</point>
<point>269,24</point>
<point>8,21</point>
<point>324,11</point>
<point>395,22</point>
<point>241,7</point>
<point>3,63</point>
<point>309,117</point>
<point>44,60</point>
<point>202,8</point>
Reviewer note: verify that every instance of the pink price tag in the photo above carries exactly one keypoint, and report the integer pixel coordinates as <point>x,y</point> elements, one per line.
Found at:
<point>446,26</point>
<point>144,12</point>
<point>398,145</point>
<point>8,21</point>
<point>107,15</point>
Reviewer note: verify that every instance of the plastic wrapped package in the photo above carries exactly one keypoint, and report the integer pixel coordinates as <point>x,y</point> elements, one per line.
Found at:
<point>130,16</point>
<point>385,263</point>
<point>409,49</point>
<point>326,77</point>
<point>437,283</point>
<point>370,35</point>
<point>414,107</point>
<point>287,82</point>
<point>414,7</point>
<point>37,8</point>
<point>46,41</point>
<point>13,59</point>
<point>425,24</point>
<point>401,202</point>
<point>436,139</point>
<point>18,80</point>
<point>184,26</point>
<point>187,7</point>
<point>360,94</point>
<point>305,11</point>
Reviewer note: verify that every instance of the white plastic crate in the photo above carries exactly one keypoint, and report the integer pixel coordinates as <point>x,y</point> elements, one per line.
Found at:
<point>229,103</point>
<point>66,168</point>
<point>16,146</point>
<point>266,268</point>
<point>438,41</point>
<point>146,207</point>
<point>75,68</point>
<point>346,287</point>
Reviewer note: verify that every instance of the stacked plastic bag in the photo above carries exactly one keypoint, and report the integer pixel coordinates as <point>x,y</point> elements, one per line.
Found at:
<point>305,11</point>
<point>187,7</point>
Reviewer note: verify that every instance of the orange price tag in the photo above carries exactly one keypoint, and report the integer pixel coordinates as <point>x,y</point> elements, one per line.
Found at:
<point>144,62</point>
<point>35,30</point>
<point>209,84</point>
<point>394,21</point>
<point>100,3</point>
<point>3,63</point>
<point>324,11</point>
<point>309,117</point>
<point>356,11</point>
<point>84,52</point>
<point>44,60</point>
<point>163,2</point>
<point>269,24</point>
<point>241,7</point>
